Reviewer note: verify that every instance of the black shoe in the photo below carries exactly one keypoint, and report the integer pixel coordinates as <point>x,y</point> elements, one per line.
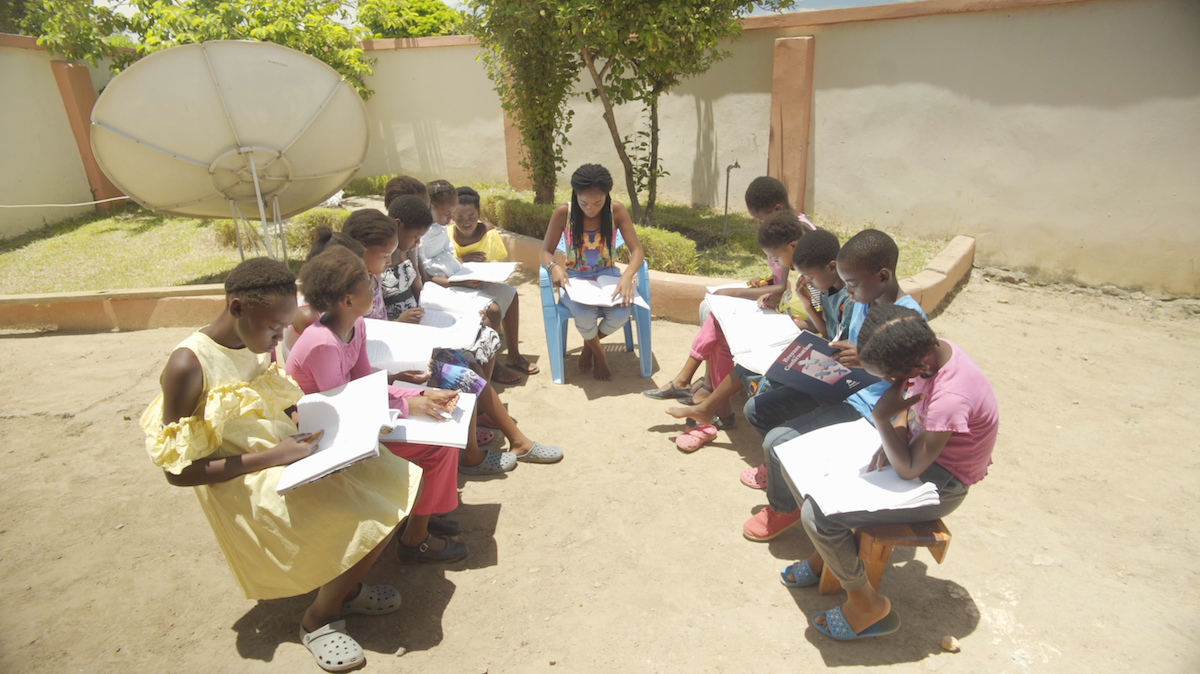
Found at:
<point>423,554</point>
<point>444,527</point>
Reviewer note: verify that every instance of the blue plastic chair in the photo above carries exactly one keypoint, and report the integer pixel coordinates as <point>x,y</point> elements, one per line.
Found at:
<point>556,317</point>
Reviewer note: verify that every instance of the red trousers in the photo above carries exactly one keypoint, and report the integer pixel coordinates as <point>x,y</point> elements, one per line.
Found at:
<point>710,345</point>
<point>439,476</point>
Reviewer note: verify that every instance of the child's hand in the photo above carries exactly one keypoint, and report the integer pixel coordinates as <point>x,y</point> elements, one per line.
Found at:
<point>296,447</point>
<point>413,315</point>
<point>893,402</point>
<point>802,291</point>
<point>847,353</point>
<point>879,461</point>
<point>435,404</point>
<point>768,301</point>
<point>558,276</point>
<point>411,376</point>
<point>475,257</point>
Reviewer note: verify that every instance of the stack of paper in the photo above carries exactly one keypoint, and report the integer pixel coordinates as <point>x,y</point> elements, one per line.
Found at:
<point>598,293</point>
<point>829,465</point>
<point>351,417</point>
<point>755,336</point>
<point>492,272</point>
<point>452,432</point>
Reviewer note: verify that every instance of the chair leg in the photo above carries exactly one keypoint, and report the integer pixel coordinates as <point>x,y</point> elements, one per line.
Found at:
<point>875,557</point>
<point>829,582</point>
<point>629,334</point>
<point>645,354</point>
<point>555,344</point>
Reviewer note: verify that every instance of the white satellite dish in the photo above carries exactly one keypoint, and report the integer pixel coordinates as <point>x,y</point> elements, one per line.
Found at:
<point>224,128</point>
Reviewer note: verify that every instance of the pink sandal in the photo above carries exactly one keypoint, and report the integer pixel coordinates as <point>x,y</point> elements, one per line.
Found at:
<point>483,436</point>
<point>755,478</point>
<point>696,437</point>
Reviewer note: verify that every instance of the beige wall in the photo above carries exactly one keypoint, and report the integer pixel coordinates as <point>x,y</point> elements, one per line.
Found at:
<point>41,163</point>
<point>434,115</point>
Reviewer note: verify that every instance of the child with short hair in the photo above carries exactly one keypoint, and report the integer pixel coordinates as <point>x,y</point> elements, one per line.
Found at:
<point>947,431</point>
<point>333,351</point>
<point>439,262</point>
<point>473,239</point>
<point>778,236</point>
<point>225,424</point>
<point>867,264</point>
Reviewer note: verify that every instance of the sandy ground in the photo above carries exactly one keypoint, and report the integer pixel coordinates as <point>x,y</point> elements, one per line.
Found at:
<point>1077,554</point>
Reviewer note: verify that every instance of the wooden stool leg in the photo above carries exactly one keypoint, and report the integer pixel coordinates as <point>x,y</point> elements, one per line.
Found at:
<point>829,582</point>
<point>875,556</point>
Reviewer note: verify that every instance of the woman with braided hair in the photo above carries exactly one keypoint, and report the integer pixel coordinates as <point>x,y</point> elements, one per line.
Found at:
<point>589,225</point>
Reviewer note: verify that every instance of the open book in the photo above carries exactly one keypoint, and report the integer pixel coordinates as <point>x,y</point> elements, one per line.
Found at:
<point>829,465</point>
<point>755,336</point>
<point>494,272</point>
<point>452,432</point>
<point>598,293</point>
<point>351,416</point>
<point>434,296</point>
<point>397,347</point>
<point>808,364</point>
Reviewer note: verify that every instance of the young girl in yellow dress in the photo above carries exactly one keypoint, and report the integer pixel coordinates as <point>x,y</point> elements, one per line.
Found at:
<point>225,424</point>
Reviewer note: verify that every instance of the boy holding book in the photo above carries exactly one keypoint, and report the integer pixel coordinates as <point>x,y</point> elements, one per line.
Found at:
<point>867,265</point>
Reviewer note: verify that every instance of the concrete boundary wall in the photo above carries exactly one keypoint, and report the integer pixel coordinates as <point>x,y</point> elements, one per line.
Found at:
<point>674,297</point>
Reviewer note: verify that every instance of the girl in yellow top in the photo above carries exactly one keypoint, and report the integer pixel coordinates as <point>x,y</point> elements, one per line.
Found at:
<point>473,239</point>
<point>225,425</point>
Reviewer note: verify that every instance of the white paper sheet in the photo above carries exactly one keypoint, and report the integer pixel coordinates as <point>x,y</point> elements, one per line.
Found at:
<point>398,347</point>
<point>829,465</point>
<point>434,296</point>
<point>598,293</point>
<point>747,327</point>
<point>492,272</point>
<point>741,285</point>
<point>351,417</point>
<point>423,431</point>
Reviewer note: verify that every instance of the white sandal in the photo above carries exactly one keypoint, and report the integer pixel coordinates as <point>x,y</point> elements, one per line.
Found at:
<point>334,649</point>
<point>373,600</point>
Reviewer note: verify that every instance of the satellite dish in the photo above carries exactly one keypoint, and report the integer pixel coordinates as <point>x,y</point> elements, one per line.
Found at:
<point>225,128</point>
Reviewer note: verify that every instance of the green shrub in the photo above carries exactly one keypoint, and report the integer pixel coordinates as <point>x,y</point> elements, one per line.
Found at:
<point>367,186</point>
<point>517,215</point>
<point>299,231</point>
<point>664,251</point>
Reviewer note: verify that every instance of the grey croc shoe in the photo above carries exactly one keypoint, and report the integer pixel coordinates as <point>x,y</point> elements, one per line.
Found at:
<point>542,454</point>
<point>494,463</point>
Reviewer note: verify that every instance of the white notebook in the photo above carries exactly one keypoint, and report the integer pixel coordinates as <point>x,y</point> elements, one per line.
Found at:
<point>829,465</point>
<point>434,296</point>
<point>351,416</point>
<point>492,272</point>
<point>452,432</point>
<point>598,293</point>
<point>755,336</point>
<point>398,347</point>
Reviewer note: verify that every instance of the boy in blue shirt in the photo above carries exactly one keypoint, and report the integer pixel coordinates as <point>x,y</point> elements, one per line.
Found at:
<point>867,265</point>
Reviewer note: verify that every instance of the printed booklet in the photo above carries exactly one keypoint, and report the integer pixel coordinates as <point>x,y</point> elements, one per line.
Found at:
<point>808,364</point>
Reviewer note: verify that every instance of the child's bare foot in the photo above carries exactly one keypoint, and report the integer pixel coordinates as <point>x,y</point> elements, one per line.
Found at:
<point>862,612</point>
<point>585,359</point>
<point>696,413</point>
<point>602,372</point>
<point>815,563</point>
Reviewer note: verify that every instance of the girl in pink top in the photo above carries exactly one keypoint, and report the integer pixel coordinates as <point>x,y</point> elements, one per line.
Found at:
<point>942,432</point>
<point>332,351</point>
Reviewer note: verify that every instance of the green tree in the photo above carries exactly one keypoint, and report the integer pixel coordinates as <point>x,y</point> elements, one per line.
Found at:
<point>83,31</point>
<point>638,51</point>
<point>408,18</point>
<point>12,16</point>
<point>534,65</point>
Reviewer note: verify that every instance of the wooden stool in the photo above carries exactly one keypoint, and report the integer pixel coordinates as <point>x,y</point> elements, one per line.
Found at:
<point>875,543</point>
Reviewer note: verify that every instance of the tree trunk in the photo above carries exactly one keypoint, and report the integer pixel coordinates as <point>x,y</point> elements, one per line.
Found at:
<point>652,180</point>
<point>541,169</point>
<point>634,207</point>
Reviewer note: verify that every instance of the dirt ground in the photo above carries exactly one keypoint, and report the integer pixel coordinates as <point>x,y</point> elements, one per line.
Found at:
<point>1078,553</point>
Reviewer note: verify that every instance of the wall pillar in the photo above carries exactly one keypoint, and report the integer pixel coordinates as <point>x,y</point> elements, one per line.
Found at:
<point>791,112</point>
<point>514,150</point>
<point>75,87</point>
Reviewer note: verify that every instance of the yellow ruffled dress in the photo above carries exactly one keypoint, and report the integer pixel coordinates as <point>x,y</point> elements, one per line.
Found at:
<point>276,545</point>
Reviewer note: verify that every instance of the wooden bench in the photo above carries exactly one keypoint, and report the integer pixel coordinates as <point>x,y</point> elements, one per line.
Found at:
<point>875,543</point>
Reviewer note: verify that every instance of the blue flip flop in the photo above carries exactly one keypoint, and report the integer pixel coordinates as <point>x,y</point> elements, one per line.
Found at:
<point>802,572</point>
<point>836,627</point>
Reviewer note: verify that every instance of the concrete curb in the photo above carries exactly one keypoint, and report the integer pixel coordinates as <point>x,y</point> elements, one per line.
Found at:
<point>674,297</point>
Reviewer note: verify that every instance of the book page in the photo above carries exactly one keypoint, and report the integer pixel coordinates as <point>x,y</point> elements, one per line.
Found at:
<point>598,293</point>
<point>351,416</point>
<point>398,347</point>
<point>740,285</point>
<point>829,465</point>
<point>492,272</point>
<point>423,431</point>
<point>747,327</point>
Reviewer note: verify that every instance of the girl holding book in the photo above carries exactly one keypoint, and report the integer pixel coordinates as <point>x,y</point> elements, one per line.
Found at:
<point>333,351</point>
<point>225,425</point>
<point>944,432</point>
<point>588,226</point>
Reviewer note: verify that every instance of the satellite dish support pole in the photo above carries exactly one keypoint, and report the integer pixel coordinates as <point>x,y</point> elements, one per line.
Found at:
<point>237,229</point>
<point>262,214</point>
